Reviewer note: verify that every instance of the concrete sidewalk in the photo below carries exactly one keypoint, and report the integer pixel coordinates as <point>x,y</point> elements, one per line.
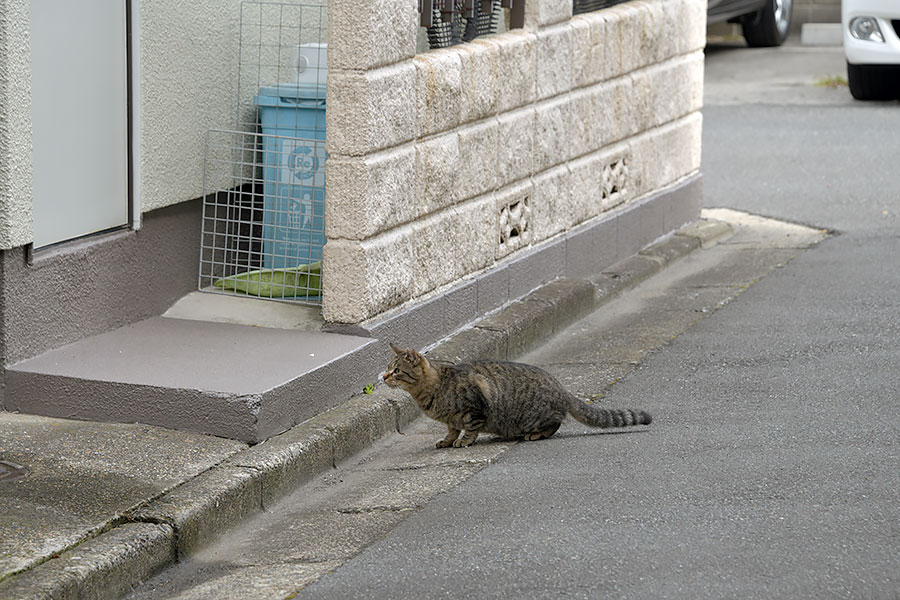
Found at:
<point>100,507</point>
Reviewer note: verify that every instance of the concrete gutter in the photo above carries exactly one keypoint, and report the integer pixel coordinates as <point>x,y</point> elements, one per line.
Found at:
<point>167,527</point>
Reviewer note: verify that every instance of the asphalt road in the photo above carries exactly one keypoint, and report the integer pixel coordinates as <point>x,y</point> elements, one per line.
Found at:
<point>772,468</point>
<point>796,150</point>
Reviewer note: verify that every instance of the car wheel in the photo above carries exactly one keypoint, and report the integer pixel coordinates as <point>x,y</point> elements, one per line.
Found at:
<point>769,25</point>
<point>874,82</point>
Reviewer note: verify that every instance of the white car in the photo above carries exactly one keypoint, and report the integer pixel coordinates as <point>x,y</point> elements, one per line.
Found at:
<point>872,47</point>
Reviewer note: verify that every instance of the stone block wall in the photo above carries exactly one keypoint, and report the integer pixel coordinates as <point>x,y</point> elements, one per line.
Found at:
<point>446,163</point>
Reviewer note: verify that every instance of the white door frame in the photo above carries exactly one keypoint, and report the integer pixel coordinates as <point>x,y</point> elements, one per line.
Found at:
<point>133,12</point>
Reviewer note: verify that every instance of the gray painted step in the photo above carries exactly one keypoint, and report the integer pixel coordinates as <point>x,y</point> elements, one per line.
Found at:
<point>237,381</point>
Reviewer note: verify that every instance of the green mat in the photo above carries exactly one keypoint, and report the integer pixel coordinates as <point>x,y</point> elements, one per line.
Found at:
<point>305,281</point>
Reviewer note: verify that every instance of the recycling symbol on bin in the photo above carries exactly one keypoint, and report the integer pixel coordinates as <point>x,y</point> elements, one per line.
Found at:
<point>303,162</point>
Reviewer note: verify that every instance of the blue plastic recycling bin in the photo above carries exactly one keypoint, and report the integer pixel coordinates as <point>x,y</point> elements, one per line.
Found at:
<point>292,117</point>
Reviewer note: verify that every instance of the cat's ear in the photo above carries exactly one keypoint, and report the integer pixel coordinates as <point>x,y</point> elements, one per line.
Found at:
<point>413,357</point>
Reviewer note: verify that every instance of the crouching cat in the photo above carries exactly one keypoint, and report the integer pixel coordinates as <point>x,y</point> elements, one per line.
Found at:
<point>511,400</point>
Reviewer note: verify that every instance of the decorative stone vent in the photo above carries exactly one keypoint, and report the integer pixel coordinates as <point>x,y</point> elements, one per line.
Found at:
<point>614,183</point>
<point>515,225</point>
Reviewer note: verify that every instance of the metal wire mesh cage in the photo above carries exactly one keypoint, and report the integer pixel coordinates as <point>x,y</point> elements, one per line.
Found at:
<point>264,180</point>
<point>263,231</point>
<point>280,44</point>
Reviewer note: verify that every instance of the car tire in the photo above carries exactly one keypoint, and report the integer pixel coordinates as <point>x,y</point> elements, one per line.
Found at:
<point>874,82</point>
<point>769,26</point>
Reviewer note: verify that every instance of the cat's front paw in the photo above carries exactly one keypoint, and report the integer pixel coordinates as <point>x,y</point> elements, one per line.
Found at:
<point>445,443</point>
<point>462,443</point>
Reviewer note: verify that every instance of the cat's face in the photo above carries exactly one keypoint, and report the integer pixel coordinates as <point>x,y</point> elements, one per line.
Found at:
<point>405,369</point>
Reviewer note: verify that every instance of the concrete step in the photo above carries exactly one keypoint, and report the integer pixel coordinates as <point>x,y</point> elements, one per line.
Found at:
<point>239,381</point>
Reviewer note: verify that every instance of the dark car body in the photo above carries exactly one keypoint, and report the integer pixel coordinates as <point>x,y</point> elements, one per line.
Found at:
<point>763,22</point>
<point>723,10</point>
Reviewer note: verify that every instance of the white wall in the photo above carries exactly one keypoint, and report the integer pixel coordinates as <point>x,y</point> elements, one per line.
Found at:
<point>188,67</point>
<point>187,82</point>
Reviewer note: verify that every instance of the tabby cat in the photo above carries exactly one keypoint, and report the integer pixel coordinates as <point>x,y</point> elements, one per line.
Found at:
<point>511,400</point>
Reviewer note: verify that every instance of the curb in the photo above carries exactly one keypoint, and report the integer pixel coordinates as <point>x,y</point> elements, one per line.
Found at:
<point>164,531</point>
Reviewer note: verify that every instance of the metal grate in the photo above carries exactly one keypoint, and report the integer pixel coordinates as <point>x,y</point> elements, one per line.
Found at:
<point>583,6</point>
<point>264,180</point>
<point>458,26</point>
<point>452,22</point>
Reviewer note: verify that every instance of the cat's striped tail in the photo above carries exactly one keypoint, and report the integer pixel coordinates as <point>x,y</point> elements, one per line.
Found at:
<point>595,416</point>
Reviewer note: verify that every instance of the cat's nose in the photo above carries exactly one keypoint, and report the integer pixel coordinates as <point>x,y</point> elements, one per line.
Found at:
<point>383,376</point>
